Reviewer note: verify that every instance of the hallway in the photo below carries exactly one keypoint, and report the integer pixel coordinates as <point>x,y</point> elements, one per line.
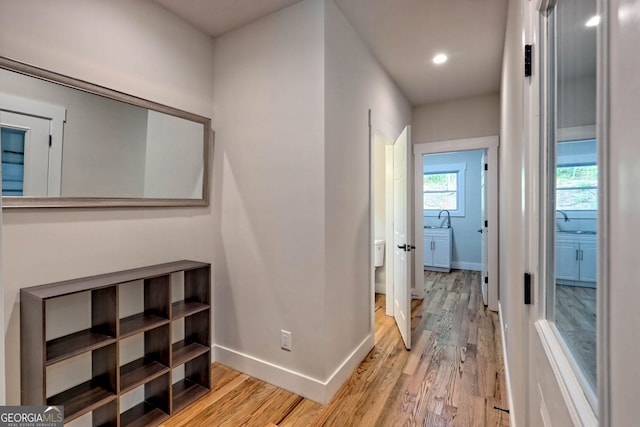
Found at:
<point>453,375</point>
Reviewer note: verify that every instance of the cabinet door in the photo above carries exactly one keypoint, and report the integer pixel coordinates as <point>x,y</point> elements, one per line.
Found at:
<point>588,257</point>
<point>441,252</point>
<point>567,262</point>
<point>428,251</point>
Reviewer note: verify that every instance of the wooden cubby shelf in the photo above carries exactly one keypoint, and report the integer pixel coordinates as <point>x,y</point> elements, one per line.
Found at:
<point>143,414</point>
<point>184,352</point>
<point>74,344</point>
<point>139,372</point>
<point>127,343</point>
<point>139,323</point>
<point>186,308</point>
<point>185,392</point>
<point>81,399</point>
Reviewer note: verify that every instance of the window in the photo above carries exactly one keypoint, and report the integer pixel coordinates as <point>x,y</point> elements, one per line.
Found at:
<point>440,191</point>
<point>571,196</point>
<point>12,161</point>
<point>443,188</point>
<point>577,188</point>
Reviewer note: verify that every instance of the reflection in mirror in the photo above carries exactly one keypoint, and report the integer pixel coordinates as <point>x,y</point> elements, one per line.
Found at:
<point>62,146</point>
<point>573,186</point>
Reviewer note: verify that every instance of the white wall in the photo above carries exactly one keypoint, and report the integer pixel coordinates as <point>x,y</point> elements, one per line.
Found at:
<point>42,246</point>
<point>293,92</point>
<point>457,119</point>
<point>354,83</point>
<point>623,209</point>
<point>173,161</point>
<point>467,242</point>
<point>269,173</point>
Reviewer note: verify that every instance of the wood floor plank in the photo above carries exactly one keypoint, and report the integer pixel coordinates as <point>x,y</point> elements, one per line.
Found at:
<point>453,376</point>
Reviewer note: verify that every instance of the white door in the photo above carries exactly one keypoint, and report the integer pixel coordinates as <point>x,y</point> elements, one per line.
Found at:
<point>401,235</point>
<point>33,164</point>
<point>483,230</point>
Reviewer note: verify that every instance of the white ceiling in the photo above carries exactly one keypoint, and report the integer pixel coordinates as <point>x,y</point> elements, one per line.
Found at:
<point>403,34</point>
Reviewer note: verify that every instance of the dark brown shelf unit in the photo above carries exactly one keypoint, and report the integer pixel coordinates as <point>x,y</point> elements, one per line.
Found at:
<point>153,370</point>
<point>74,344</point>
<point>143,414</point>
<point>139,372</point>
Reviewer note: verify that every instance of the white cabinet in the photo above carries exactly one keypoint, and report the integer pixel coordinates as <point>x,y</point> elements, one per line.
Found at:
<point>437,249</point>
<point>576,258</point>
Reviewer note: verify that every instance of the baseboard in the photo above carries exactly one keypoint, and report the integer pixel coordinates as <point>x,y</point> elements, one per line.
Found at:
<point>296,382</point>
<point>463,265</point>
<point>507,376</point>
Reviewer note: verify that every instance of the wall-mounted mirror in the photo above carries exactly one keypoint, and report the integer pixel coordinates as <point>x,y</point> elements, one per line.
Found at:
<point>66,143</point>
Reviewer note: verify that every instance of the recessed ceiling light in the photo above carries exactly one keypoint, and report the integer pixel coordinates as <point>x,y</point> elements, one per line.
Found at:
<point>440,58</point>
<point>593,21</point>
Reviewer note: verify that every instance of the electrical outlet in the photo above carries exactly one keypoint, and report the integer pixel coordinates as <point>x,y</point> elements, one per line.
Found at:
<point>285,340</point>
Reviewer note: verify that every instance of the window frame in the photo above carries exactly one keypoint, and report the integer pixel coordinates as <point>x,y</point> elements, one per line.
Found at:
<point>460,170</point>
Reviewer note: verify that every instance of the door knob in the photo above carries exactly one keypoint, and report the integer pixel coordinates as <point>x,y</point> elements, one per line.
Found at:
<point>403,247</point>
<point>480,230</point>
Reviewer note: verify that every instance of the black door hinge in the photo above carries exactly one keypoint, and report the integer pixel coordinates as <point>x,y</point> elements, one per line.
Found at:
<point>486,223</point>
<point>527,288</point>
<point>486,279</point>
<point>486,166</point>
<point>50,140</point>
<point>527,60</point>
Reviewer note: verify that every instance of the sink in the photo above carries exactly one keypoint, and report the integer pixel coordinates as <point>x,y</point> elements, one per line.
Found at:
<point>577,232</point>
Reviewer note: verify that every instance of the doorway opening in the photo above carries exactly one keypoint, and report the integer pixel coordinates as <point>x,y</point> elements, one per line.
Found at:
<point>456,210</point>
<point>391,222</point>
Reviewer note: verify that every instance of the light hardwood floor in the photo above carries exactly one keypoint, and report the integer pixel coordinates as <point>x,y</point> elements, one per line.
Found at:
<point>576,321</point>
<point>452,376</point>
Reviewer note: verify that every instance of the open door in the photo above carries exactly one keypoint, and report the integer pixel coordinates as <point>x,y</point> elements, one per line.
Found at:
<point>402,192</point>
<point>483,229</point>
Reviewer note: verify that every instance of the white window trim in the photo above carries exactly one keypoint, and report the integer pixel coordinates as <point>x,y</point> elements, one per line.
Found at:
<point>461,170</point>
<point>564,368</point>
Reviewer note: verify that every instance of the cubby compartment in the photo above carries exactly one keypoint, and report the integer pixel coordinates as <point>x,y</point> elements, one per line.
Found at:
<point>190,292</point>
<point>95,323</point>
<point>191,381</point>
<point>189,337</point>
<point>144,304</point>
<point>144,357</point>
<point>121,349</point>
<point>147,404</point>
<point>90,384</point>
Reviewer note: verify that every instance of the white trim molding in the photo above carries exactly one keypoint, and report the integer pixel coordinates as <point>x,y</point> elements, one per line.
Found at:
<point>507,371</point>
<point>312,388</point>
<point>577,402</point>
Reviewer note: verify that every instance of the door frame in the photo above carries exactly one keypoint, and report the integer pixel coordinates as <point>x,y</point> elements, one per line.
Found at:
<point>390,132</point>
<point>57,115</point>
<point>491,145</point>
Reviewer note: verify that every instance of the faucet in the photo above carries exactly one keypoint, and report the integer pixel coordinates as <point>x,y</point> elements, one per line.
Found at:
<point>566,218</point>
<point>448,217</point>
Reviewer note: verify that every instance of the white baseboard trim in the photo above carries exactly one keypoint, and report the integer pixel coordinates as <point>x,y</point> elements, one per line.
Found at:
<point>463,265</point>
<point>507,376</point>
<point>296,382</point>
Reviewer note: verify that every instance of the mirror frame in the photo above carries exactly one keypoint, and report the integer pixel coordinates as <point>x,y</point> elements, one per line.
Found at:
<point>99,202</point>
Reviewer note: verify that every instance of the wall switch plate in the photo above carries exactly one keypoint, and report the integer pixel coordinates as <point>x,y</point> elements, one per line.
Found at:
<point>285,340</point>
